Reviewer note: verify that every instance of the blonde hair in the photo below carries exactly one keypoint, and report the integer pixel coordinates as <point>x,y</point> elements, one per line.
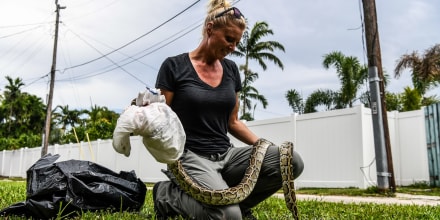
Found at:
<point>217,6</point>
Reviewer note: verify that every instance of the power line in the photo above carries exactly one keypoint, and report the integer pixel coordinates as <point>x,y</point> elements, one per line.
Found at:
<point>23,25</point>
<point>36,80</point>
<point>136,39</point>
<point>20,32</point>
<point>173,37</point>
<point>85,5</point>
<point>32,50</point>
<point>133,59</point>
<point>108,58</point>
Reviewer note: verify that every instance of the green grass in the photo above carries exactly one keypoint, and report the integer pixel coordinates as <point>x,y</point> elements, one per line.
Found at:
<point>420,188</point>
<point>372,191</point>
<point>272,208</point>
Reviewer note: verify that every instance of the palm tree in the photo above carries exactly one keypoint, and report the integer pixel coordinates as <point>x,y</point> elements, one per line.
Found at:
<point>67,118</point>
<point>425,68</point>
<point>249,92</point>
<point>326,98</point>
<point>13,88</point>
<point>98,113</point>
<point>35,113</point>
<point>431,67</point>
<point>12,103</point>
<point>393,101</point>
<point>351,75</point>
<point>101,122</point>
<point>252,48</point>
<point>411,99</point>
<point>22,117</point>
<point>295,101</point>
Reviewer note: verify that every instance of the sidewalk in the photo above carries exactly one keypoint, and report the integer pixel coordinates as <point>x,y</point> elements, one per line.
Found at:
<point>400,198</point>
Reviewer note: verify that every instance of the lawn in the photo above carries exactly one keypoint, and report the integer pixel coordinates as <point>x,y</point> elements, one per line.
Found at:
<point>15,191</point>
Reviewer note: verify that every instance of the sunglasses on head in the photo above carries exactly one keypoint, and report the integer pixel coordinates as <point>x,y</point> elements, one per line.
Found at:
<point>237,13</point>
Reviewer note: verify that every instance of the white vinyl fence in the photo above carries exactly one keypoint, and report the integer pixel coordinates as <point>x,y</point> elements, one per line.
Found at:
<point>337,148</point>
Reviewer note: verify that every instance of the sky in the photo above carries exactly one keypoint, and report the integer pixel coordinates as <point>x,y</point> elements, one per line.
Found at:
<point>109,50</point>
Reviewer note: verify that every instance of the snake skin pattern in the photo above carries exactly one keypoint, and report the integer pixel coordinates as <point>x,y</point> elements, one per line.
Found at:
<point>241,191</point>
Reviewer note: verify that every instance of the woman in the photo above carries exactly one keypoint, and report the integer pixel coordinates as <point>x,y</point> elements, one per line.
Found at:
<point>202,89</point>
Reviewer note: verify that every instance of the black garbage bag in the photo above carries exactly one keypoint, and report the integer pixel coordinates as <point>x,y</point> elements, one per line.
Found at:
<point>70,187</point>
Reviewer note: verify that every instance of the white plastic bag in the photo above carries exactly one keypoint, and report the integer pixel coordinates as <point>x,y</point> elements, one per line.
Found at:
<point>161,129</point>
<point>149,96</point>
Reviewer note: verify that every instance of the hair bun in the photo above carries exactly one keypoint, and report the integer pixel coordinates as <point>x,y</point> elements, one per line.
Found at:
<point>214,5</point>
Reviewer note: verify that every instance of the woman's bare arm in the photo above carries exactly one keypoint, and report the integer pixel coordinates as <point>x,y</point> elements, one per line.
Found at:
<point>238,129</point>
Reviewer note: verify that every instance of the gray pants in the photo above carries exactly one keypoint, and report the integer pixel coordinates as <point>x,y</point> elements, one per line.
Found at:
<point>220,172</point>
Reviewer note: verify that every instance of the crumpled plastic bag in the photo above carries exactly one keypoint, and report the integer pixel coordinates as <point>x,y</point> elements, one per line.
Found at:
<point>161,130</point>
<point>149,96</point>
<point>70,187</point>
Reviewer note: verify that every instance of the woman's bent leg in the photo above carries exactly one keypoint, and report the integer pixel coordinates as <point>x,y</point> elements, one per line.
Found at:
<point>269,181</point>
<point>170,200</point>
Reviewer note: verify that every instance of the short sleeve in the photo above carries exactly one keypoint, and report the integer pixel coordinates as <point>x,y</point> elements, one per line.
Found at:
<point>166,76</point>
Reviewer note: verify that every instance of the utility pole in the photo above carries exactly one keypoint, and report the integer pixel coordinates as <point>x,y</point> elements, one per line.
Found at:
<point>384,161</point>
<point>46,133</point>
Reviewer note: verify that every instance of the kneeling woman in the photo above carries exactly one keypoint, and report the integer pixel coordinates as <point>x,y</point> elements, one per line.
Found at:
<point>202,88</point>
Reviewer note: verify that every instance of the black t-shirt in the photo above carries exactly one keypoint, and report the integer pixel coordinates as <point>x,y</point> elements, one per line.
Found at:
<point>203,110</point>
